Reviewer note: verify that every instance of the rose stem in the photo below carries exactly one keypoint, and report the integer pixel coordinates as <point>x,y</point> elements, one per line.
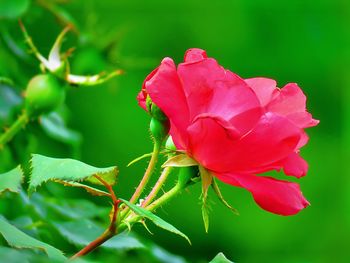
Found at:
<point>21,121</point>
<point>112,229</point>
<point>157,187</point>
<point>148,173</point>
<point>157,203</point>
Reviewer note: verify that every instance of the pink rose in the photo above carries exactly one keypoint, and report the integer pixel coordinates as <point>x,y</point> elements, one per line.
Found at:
<point>235,128</point>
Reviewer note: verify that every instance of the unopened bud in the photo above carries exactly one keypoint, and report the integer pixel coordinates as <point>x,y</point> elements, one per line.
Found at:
<point>186,174</point>
<point>159,129</point>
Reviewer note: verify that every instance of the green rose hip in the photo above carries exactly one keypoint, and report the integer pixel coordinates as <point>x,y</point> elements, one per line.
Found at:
<point>43,94</point>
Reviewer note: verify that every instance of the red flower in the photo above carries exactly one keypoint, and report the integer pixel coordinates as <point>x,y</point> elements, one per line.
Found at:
<point>235,128</point>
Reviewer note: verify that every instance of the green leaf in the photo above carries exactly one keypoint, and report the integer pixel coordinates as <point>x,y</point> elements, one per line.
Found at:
<point>11,181</point>
<point>221,198</point>
<point>13,8</point>
<point>207,180</point>
<point>220,258</point>
<point>181,160</point>
<point>13,255</point>
<point>155,219</point>
<point>89,189</point>
<point>9,99</point>
<point>19,239</point>
<point>165,256</point>
<point>46,168</point>
<point>7,81</point>
<point>55,127</point>
<point>10,255</point>
<point>82,232</point>
<point>74,209</point>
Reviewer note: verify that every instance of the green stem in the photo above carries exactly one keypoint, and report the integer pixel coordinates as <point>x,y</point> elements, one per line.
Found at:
<point>155,190</point>
<point>148,173</point>
<point>111,231</point>
<point>15,128</point>
<point>153,206</point>
<point>165,197</point>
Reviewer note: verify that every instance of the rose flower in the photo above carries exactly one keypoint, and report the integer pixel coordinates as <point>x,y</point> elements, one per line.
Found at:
<point>235,128</point>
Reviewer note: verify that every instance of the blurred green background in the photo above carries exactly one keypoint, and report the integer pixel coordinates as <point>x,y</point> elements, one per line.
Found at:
<point>307,42</point>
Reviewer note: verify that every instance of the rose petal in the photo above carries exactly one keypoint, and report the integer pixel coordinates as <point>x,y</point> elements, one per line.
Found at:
<point>304,138</point>
<point>141,97</point>
<point>179,137</point>
<point>295,165</point>
<point>277,196</point>
<point>216,146</point>
<point>211,89</point>
<point>303,119</point>
<point>263,88</point>
<point>166,92</point>
<point>290,101</point>
<point>195,55</point>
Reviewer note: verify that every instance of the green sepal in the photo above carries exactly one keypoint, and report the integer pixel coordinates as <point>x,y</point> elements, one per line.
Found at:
<point>157,113</point>
<point>92,80</point>
<point>180,160</point>
<point>148,103</point>
<point>139,158</point>
<point>221,198</point>
<point>56,64</point>
<point>207,179</point>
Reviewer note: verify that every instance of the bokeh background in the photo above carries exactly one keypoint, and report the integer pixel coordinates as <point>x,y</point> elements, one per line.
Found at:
<point>307,42</point>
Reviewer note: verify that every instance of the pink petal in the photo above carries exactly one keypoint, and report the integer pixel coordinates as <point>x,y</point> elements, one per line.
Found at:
<point>277,196</point>
<point>304,138</point>
<point>295,165</point>
<point>263,88</point>
<point>166,92</point>
<point>217,146</point>
<point>179,137</point>
<point>150,75</point>
<point>210,89</point>
<point>141,98</point>
<point>303,119</point>
<point>195,55</point>
<point>290,101</point>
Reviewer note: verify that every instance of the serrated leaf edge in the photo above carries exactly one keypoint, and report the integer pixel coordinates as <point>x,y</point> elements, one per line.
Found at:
<point>32,189</point>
